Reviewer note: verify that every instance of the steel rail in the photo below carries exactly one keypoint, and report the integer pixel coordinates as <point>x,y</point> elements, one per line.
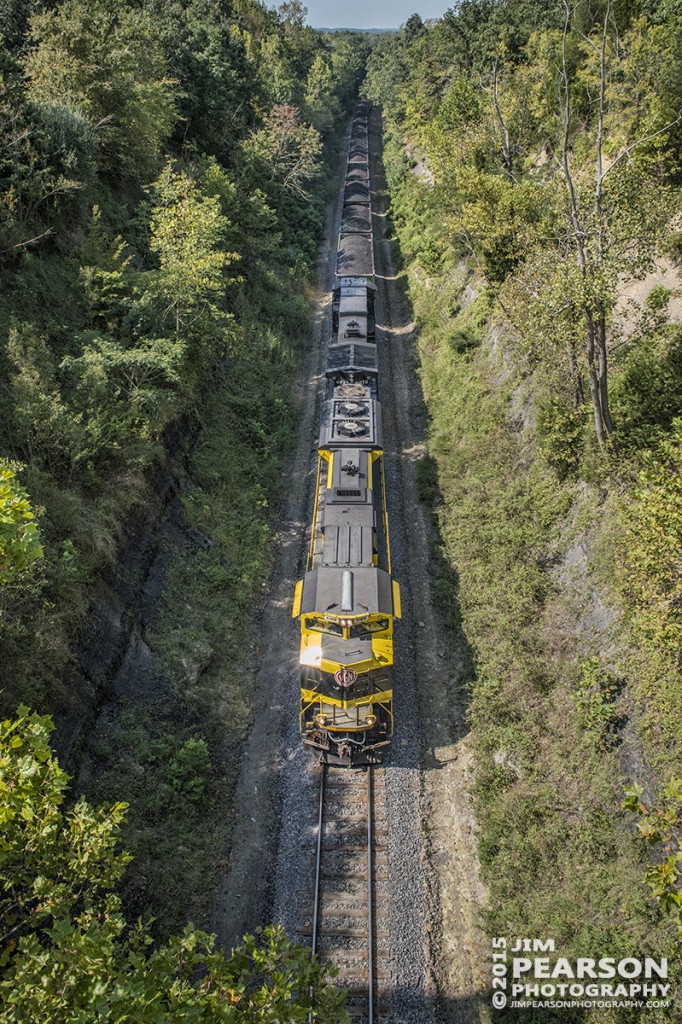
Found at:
<point>318,859</point>
<point>317,893</point>
<point>370,904</point>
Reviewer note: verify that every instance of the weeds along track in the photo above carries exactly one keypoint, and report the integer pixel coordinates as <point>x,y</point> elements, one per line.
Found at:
<point>346,921</point>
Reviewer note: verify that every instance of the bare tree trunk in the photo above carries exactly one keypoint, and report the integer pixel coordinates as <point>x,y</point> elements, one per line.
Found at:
<point>603,374</point>
<point>600,322</point>
<point>595,330</point>
<point>574,370</point>
<point>596,408</point>
<point>590,233</point>
<point>595,386</point>
<point>507,158</point>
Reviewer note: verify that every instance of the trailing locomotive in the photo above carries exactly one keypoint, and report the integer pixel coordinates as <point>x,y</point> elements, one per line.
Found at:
<point>348,600</point>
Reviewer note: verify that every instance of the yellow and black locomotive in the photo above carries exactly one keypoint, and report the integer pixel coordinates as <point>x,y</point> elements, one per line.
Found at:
<point>347,601</point>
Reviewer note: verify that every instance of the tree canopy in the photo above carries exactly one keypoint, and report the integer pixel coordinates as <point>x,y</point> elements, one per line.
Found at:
<point>67,951</point>
<point>553,142</point>
<point>19,537</point>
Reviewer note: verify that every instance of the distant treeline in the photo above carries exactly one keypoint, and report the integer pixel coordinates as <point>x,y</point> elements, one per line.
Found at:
<point>367,31</point>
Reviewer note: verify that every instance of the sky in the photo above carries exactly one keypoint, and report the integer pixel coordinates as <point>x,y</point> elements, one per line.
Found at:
<point>371,13</point>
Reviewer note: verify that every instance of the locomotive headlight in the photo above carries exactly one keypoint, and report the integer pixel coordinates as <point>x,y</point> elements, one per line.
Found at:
<point>321,720</point>
<point>371,721</point>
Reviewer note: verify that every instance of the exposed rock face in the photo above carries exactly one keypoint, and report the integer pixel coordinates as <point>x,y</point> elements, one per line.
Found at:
<point>112,656</point>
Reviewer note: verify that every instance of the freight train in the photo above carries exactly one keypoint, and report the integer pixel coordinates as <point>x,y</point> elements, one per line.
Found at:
<point>348,601</point>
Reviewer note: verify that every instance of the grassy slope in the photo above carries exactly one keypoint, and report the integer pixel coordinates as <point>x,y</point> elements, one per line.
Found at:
<point>558,854</point>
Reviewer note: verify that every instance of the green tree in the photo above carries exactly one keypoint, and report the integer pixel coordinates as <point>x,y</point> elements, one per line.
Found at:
<point>598,212</point>
<point>44,427</point>
<point>219,87</point>
<point>45,160</point>
<point>387,74</point>
<point>103,58</point>
<point>19,537</point>
<point>320,100</point>
<point>290,147</point>
<point>163,327</point>
<point>123,395</point>
<point>349,54</point>
<point>551,167</point>
<point>187,235</point>
<point>14,17</point>
<point>67,952</point>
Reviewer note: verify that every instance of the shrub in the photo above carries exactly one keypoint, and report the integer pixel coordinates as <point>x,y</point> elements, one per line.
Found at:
<point>673,247</point>
<point>464,340</point>
<point>658,297</point>
<point>595,700</point>
<point>190,768</point>
<point>560,435</point>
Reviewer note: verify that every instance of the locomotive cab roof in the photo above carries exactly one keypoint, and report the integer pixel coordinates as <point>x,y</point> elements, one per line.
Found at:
<point>338,591</point>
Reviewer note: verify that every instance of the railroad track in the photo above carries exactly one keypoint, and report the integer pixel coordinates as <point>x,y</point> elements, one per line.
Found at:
<point>347,923</point>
